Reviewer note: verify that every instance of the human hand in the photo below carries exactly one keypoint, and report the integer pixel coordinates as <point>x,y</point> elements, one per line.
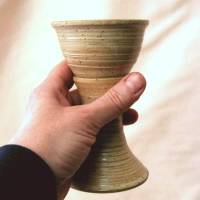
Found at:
<point>61,131</point>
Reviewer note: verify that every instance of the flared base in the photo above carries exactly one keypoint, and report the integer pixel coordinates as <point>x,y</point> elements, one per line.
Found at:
<point>125,184</point>
<point>110,166</point>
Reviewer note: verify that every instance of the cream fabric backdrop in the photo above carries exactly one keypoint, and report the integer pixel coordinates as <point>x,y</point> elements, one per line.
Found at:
<point>167,136</point>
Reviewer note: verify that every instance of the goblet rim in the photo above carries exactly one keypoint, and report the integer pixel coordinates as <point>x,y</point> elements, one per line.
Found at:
<point>97,22</point>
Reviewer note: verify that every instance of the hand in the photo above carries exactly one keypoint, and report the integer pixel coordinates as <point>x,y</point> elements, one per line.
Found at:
<point>61,131</point>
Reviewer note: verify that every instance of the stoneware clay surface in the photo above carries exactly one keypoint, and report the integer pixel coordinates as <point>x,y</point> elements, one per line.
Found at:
<point>100,53</point>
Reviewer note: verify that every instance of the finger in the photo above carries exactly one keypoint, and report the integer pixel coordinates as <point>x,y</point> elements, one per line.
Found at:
<point>74,97</point>
<point>118,99</point>
<point>61,76</point>
<point>130,116</point>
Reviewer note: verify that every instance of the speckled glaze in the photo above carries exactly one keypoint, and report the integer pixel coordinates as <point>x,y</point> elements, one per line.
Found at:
<point>100,53</point>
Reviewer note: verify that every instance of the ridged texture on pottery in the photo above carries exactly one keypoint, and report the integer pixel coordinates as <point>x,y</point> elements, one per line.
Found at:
<point>100,53</point>
<point>99,48</point>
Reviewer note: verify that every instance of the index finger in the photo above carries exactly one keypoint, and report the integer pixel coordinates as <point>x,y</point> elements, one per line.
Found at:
<point>61,75</point>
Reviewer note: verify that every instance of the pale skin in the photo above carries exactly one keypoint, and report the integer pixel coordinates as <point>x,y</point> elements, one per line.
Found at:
<point>61,131</point>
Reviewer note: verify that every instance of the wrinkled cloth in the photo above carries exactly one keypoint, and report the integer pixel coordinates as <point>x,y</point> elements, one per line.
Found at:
<point>166,137</point>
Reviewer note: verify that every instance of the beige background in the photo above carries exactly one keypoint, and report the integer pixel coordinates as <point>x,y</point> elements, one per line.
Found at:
<point>167,136</point>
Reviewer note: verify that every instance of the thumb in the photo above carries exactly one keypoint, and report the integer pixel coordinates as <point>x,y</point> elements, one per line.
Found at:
<point>118,99</point>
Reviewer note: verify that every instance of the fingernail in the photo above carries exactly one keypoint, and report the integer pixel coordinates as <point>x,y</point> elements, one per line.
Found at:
<point>135,83</point>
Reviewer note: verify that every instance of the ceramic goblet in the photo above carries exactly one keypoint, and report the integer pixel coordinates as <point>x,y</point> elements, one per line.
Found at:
<point>100,53</point>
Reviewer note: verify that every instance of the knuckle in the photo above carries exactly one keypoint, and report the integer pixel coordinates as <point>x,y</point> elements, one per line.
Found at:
<point>85,128</point>
<point>36,93</point>
<point>89,117</point>
<point>117,100</point>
